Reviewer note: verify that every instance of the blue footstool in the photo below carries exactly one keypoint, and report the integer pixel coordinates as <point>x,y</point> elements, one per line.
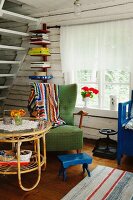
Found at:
<point>68,160</point>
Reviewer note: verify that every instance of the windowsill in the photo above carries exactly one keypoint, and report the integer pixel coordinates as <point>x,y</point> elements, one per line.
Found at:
<point>98,112</point>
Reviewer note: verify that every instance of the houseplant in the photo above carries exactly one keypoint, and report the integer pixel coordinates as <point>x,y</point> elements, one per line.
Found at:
<point>87,93</point>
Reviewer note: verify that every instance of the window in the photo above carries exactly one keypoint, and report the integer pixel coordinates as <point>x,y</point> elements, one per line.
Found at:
<point>108,83</point>
<point>100,56</point>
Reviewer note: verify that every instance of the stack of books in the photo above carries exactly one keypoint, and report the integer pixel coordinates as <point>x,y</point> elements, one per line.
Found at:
<point>48,77</point>
<point>40,64</point>
<point>39,51</point>
<point>39,37</point>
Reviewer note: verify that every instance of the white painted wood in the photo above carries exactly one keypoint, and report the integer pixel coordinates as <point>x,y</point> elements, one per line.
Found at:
<point>22,88</point>
<point>10,62</point>
<point>16,103</point>
<point>17,17</point>
<point>93,19</point>
<point>7,75</point>
<point>12,47</point>
<point>94,134</point>
<point>8,32</point>
<point>4,87</point>
<point>54,38</point>
<point>57,80</point>
<point>22,81</point>
<point>4,68</point>
<point>64,6</point>
<point>54,57</point>
<point>98,112</point>
<point>54,31</point>
<point>2,98</point>
<point>55,44</point>
<point>98,122</point>
<point>56,73</point>
<point>19,92</point>
<point>98,12</point>
<point>55,50</point>
<point>18,97</point>
<point>5,24</point>
<point>11,107</point>
<point>1,3</point>
<point>5,52</point>
<point>88,6</point>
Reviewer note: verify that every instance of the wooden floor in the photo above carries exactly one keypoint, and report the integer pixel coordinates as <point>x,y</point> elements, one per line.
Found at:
<point>51,187</point>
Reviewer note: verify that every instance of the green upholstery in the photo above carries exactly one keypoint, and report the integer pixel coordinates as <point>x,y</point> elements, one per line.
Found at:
<point>67,99</point>
<point>66,137</point>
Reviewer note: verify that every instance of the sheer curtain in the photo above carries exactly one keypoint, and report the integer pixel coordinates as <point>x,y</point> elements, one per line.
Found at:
<point>100,46</point>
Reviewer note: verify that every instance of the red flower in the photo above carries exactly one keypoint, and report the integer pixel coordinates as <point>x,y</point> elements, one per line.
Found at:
<point>92,89</point>
<point>85,88</point>
<point>88,95</point>
<point>88,92</point>
<point>96,91</point>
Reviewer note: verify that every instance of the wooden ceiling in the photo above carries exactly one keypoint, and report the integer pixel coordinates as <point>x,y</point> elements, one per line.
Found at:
<point>51,5</point>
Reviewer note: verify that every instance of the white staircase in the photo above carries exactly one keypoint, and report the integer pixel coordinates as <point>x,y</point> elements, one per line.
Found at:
<point>18,53</point>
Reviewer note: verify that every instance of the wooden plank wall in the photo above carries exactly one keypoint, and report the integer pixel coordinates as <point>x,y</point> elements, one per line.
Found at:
<point>18,96</point>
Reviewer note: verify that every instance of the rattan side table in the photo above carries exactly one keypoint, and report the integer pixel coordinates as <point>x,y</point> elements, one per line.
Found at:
<point>19,137</point>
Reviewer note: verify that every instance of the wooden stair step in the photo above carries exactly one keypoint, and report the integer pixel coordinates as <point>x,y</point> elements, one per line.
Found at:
<point>8,32</point>
<point>17,17</point>
<point>12,47</point>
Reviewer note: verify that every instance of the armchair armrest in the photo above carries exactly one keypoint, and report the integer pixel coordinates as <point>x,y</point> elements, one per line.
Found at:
<point>82,114</point>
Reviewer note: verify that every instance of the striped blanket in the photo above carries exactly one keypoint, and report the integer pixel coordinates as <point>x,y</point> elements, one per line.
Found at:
<point>44,103</point>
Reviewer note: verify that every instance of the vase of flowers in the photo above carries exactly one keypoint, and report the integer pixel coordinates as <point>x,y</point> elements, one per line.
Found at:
<point>17,115</point>
<point>88,93</point>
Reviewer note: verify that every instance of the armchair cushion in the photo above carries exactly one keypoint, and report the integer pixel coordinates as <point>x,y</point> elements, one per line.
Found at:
<point>63,138</point>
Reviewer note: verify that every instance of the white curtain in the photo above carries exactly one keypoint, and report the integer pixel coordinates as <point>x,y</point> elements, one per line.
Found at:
<point>100,46</point>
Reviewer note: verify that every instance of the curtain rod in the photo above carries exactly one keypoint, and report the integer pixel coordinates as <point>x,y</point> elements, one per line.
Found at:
<point>48,27</point>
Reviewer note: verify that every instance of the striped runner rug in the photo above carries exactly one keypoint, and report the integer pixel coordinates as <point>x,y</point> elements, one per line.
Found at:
<point>104,183</point>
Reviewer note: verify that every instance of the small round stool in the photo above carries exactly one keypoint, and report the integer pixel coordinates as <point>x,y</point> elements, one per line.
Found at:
<point>106,147</point>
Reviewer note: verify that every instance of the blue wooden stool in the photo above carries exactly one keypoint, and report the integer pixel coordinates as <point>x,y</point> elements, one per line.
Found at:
<point>74,159</point>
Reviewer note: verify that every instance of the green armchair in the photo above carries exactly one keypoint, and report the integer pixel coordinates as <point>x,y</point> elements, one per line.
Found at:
<point>66,137</point>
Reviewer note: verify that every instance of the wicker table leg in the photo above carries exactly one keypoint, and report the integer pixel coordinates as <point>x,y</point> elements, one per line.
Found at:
<point>44,153</point>
<point>19,168</point>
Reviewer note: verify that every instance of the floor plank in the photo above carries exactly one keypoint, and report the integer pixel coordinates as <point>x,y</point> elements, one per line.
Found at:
<point>51,187</point>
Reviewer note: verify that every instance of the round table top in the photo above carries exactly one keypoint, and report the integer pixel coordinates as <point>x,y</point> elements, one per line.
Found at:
<point>30,126</point>
<point>107,131</point>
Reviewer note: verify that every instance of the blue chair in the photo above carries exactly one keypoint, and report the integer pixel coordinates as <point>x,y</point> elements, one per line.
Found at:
<point>125,135</point>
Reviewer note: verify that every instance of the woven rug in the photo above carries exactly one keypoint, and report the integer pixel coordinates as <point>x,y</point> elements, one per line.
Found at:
<point>104,183</point>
